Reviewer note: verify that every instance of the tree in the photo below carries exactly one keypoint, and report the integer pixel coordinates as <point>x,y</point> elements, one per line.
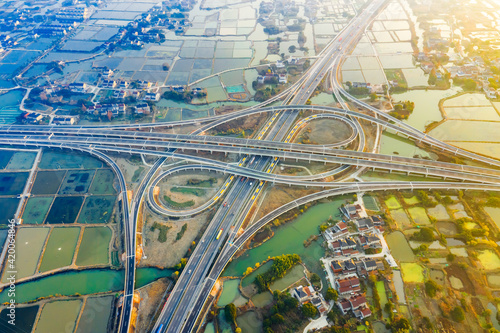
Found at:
<point>457,314</point>
<point>432,78</point>
<point>373,97</point>
<point>400,325</point>
<point>309,310</point>
<point>237,330</point>
<point>292,49</point>
<point>431,288</point>
<point>315,278</point>
<point>331,295</point>
<point>470,85</point>
<point>230,312</point>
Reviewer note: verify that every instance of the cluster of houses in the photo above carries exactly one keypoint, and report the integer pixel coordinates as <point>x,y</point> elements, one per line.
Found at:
<point>307,294</point>
<point>350,262</point>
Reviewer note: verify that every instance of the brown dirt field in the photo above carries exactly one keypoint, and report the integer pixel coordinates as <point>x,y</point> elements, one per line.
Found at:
<point>151,297</point>
<point>477,305</point>
<point>279,195</point>
<point>168,254</point>
<point>460,273</point>
<point>326,131</point>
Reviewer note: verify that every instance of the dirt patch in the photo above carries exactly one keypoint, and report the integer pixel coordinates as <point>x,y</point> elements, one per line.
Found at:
<point>151,300</point>
<point>324,131</point>
<point>460,273</point>
<point>170,252</point>
<point>477,305</point>
<point>279,195</point>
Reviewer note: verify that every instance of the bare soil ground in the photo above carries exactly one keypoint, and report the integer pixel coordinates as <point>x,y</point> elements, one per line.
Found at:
<point>279,195</point>
<point>460,273</point>
<point>169,253</point>
<point>151,298</point>
<point>326,131</point>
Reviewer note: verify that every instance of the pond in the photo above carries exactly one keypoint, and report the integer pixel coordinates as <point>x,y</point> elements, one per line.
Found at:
<point>392,144</point>
<point>94,247</point>
<point>400,249</point>
<point>397,279</point>
<point>231,293</point>
<point>459,251</point>
<point>29,245</point>
<point>447,228</point>
<point>293,275</point>
<point>59,316</point>
<point>426,105</point>
<point>60,248</point>
<point>288,239</point>
<point>95,315</point>
<point>493,280</point>
<point>493,316</point>
<point>250,278</point>
<point>439,213</point>
<point>9,105</point>
<point>262,299</point>
<point>210,328</point>
<point>249,322</point>
<point>419,215</point>
<point>401,219</point>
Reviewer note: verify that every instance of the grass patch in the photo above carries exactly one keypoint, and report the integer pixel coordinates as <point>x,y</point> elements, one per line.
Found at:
<point>176,204</point>
<point>162,236</point>
<point>189,190</point>
<point>202,183</point>
<point>137,174</point>
<point>181,232</point>
<point>412,273</point>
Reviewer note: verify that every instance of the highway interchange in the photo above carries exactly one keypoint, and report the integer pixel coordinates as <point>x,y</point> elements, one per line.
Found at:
<point>245,180</point>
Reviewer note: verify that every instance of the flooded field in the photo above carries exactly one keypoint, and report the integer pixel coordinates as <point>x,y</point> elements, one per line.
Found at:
<point>103,182</point>
<point>94,248</point>
<point>419,215</point>
<point>392,203</point>
<point>8,207</point>
<point>29,244</point>
<point>494,213</point>
<point>59,316</point>
<point>95,315</point>
<point>36,209</point>
<point>294,275</point>
<point>230,292</point>
<point>77,182</point>
<point>64,210</point>
<point>401,219</point>
<point>60,248</point>
<point>249,322</point>
<point>400,249</point>
<point>262,299</point>
<point>47,182</point>
<point>21,161</point>
<point>97,209</point>
<point>28,315</point>
<point>12,183</point>
<point>489,259</point>
<point>60,160</point>
<point>439,213</point>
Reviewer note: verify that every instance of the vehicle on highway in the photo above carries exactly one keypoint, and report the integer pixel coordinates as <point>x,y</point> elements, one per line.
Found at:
<point>220,233</point>
<point>225,204</point>
<point>159,328</point>
<point>189,272</point>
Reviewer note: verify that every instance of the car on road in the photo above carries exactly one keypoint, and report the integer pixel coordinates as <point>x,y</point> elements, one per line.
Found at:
<point>189,272</point>
<point>225,204</point>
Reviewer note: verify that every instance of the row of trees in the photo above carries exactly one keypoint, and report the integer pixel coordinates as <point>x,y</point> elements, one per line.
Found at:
<point>280,266</point>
